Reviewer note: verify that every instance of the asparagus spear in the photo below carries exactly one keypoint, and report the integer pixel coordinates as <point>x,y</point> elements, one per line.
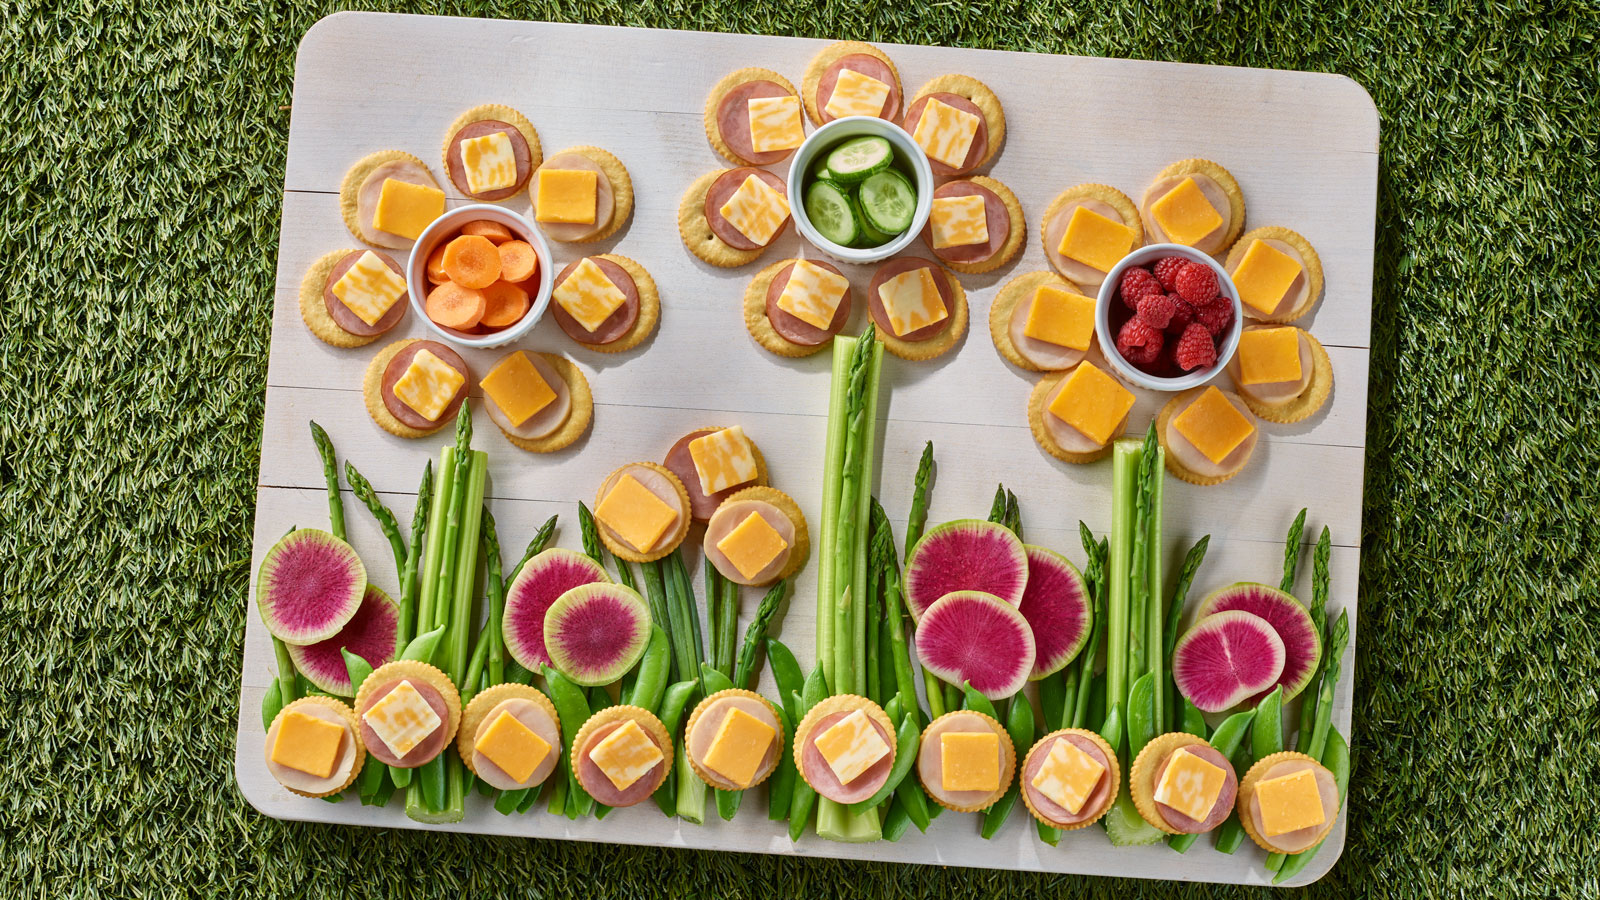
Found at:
<point>330,474</point>
<point>362,488</point>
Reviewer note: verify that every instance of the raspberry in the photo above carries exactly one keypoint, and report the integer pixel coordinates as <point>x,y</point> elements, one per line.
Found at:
<point>1196,349</point>
<point>1136,282</point>
<point>1216,316</point>
<point>1197,283</point>
<point>1182,314</point>
<point>1167,271</point>
<point>1156,308</point>
<point>1138,342</point>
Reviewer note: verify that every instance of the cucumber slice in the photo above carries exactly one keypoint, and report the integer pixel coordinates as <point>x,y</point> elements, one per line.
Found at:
<point>828,208</point>
<point>870,237</point>
<point>819,169</point>
<point>888,201</point>
<point>857,158</point>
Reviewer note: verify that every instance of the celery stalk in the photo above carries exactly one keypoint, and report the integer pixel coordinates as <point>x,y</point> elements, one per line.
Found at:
<point>444,481</point>
<point>862,512</point>
<point>833,461</point>
<point>1124,470</point>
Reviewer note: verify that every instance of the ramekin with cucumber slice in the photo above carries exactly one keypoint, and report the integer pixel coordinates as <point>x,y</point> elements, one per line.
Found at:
<point>858,189</point>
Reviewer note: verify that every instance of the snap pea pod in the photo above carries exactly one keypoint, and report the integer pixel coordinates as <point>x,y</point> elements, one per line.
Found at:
<point>780,790</point>
<point>651,674</point>
<point>905,756</point>
<point>423,645</point>
<point>400,777</point>
<point>893,709</point>
<point>977,702</point>
<point>786,673</point>
<point>573,707</point>
<point>896,820</point>
<point>673,701</point>
<point>431,776</point>
<point>1190,719</point>
<point>1111,731</point>
<point>910,799</point>
<point>1225,740</point>
<point>529,798</point>
<point>805,796</point>
<point>1336,757</point>
<point>1141,713</point>
<point>1266,735</point>
<point>1019,726</point>
<point>558,796</point>
<point>510,801</point>
<point>1052,698</point>
<point>271,703</point>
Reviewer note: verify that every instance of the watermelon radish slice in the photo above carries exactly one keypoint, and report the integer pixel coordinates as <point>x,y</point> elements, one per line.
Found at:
<point>965,555</point>
<point>971,636</point>
<point>596,632</point>
<point>540,583</point>
<point>373,634</point>
<point>310,585</point>
<point>1056,605</point>
<point>1226,659</point>
<point>1302,644</point>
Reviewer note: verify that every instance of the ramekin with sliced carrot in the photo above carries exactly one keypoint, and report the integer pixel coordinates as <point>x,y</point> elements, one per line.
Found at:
<point>479,277</point>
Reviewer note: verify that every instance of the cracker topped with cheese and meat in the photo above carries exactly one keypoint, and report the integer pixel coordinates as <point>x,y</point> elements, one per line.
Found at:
<point>389,198</point>
<point>753,118</point>
<point>490,152</point>
<point>581,194</point>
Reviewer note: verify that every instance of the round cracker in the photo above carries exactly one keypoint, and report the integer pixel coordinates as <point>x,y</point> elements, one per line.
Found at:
<point>1008,766</point>
<point>622,713</point>
<point>1308,255</point>
<point>1112,772</point>
<point>1309,400</point>
<point>826,57</point>
<point>829,706</point>
<point>1005,303</point>
<point>350,190</point>
<point>786,505</point>
<point>315,312</point>
<point>994,115</point>
<point>696,230</point>
<point>472,718</point>
<point>1223,178</point>
<point>1106,194</point>
<point>1177,468</point>
<point>1247,789</point>
<point>1142,775</point>
<point>685,518</point>
<point>940,343</point>
<point>649,308</point>
<point>412,670</point>
<point>578,419</point>
<point>760,327</point>
<point>712,778</point>
<point>714,101</point>
<point>1014,238</point>
<point>498,113</point>
<point>372,392</point>
<point>1037,399</point>
<point>350,722</point>
<point>621,190</point>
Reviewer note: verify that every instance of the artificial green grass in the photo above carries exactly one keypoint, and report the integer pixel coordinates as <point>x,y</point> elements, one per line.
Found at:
<point>141,170</point>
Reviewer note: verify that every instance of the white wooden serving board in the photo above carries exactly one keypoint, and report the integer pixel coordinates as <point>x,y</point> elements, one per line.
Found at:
<point>1303,146</point>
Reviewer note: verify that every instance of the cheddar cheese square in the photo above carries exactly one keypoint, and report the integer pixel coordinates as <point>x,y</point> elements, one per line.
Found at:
<point>1290,803</point>
<point>1094,240</point>
<point>568,196</point>
<point>1265,275</point>
<point>1213,425</point>
<point>1269,355</point>
<point>407,209</point>
<point>1068,776</point>
<point>1185,214</point>
<point>969,761</point>
<point>775,123</point>
<point>369,288</point>
<point>945,133</point>
<point>959,221</point>
<point>428,385</point>
<point>752,545</point>
<point>626,755</point>
<point>1059,316</point>
<point>855,94</point>
<point>307,744</point>
<point>739,747</point>
<point>756,210</point>
<point>490,162</point>
<point>635,513</point>
<point>516,386</point>
<point>588,295</point>
<point>513,746</point>
<point>1092,402</point>
<point>912,301</point>
<point>722,459</point>
<point>813,294</point>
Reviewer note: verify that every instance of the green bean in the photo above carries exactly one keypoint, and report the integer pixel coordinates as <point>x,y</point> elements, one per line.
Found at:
<point>1291,553</point>
<point>905,756</point>
<point>330,475</point>
<point>1336,757</point>
<point>1266,735</point>
<point>745,667</point>
<point>541,539</point>
<point>364,492</point>
<point>1319,621</point>
<point>1019,727</point>
<point>652,671</point>
<point>1141,713</point>
<point>780,790</point>
<point>785,672</point>
<point>271,703</point>
<point>422,647</point>
<point>978,702</point>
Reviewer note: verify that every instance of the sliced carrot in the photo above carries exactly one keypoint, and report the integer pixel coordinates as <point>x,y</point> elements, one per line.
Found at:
<point>518,262</point>
<point>494,231</point>
<point>454,306</point>
<point>472,262</point>
<point>436,273</point>
<point>506,303</point>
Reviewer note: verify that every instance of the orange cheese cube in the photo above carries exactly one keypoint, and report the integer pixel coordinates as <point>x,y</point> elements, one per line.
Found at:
<point>752,545</point>
<point>626,755</point>
<point>1059,316</point>
<point>945,132</point>
<point>635,513</point>
<point>490,163</point>
<point>513,746</point>
<point>1092,402</point>
<point>912,301</point>
<point>369,288</point>
<point>307,744</point>
<point>1265,275</point>
<point>516,386</point>
<point>1185,214</point>
<point>739,746</point>
<point>406,209</point>
<point>813,294</point>
<point>958,221</point>
<point>775,123</point>
<point>428,385</point>
<point>1269,355</point>
<point>1190,784</point>
<point>567,196</point>
<point>1213,425</point>
<point>855,94</point>
<point>1290,803</point>
<point>969,761</point>
<point>1094,240</point>
<point>1068,775</point>
<point>756,210</point>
